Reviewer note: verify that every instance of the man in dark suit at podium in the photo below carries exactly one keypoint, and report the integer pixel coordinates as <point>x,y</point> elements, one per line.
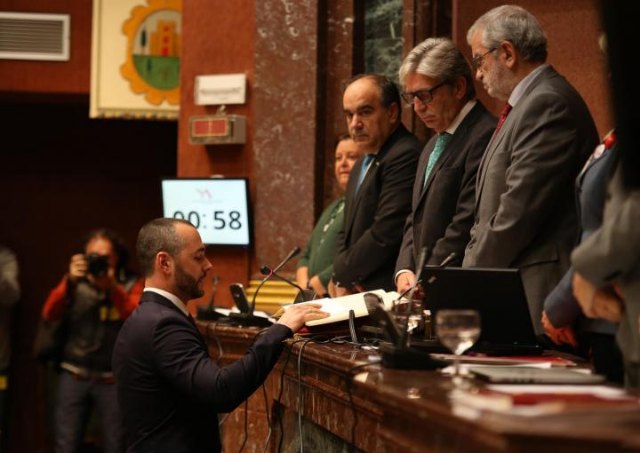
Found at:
<point>378,197</point>
<point>438,84</point>
<point>169,389</point>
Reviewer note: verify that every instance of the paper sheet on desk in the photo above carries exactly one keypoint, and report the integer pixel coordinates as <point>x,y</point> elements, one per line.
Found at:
<point>338,307</point>
<point>601,391</point>
<point>226,311</point>
<point>541,361</point>
<point>464,367</point>
<point>534,400</point>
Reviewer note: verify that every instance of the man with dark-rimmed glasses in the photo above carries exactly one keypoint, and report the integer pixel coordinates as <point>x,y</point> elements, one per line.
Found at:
<point>438,85</point>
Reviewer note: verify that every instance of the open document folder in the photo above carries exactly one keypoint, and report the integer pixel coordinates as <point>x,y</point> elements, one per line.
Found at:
<point>338,307</point>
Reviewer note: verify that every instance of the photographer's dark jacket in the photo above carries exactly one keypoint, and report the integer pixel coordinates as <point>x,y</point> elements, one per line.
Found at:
<point>94,320</point>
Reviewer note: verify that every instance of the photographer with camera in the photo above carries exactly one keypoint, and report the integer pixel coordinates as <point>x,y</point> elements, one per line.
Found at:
<point>92,300</point>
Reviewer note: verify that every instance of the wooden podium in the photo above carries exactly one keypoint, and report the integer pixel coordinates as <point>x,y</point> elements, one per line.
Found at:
<point>384,410</point>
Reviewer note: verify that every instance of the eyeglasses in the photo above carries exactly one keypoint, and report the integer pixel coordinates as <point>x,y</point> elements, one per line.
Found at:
<point>477,61</point>
<point>425,96</point>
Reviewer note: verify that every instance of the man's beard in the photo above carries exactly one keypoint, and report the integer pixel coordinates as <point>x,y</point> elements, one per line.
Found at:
<point>187,285</point>
<point>500,83</point>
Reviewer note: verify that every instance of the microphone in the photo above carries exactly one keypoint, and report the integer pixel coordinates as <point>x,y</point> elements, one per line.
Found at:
<point>248,319</point>
<point>303,294</point>
<point>209,313</point>
<point>404,340</point>
<point>450,257</point>
<point>294,251</point>
<point>397,353</point>
<point>419,269</point>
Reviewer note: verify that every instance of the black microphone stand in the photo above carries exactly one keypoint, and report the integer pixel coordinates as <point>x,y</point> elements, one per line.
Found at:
<point>399,354</point>
<point>303,295</point>
<point>249,319</point>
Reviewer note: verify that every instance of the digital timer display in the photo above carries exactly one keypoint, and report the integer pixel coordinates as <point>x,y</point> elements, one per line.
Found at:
<point>217,207</point>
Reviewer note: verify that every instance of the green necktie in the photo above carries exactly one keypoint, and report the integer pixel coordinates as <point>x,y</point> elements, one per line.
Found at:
<point>441,144</point>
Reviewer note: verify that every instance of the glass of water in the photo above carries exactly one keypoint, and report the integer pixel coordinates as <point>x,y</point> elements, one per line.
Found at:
<point>409,314</point>
<point>457,330</point>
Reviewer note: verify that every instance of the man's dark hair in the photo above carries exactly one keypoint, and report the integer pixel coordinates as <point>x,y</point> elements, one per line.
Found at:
<point>389,93</point>
<point>159,235</point>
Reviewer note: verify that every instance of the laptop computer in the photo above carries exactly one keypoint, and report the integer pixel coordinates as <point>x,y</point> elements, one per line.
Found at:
<point>497,294</point>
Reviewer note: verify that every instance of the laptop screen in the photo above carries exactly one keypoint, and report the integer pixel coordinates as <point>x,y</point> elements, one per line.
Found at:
<point>497,294</point>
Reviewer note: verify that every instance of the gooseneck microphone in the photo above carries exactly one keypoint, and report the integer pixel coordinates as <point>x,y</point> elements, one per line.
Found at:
<point>295,251</point>
<point>248,319</point>
<point>397,353</point>
<point>448,260</point>
<point>303,294</point>
<point>404,340</point>
<point>450,257</point>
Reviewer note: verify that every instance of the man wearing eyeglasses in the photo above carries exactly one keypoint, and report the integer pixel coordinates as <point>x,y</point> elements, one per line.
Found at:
<point>525,208</point>
<point>378,196</point>
<point>438,85</point>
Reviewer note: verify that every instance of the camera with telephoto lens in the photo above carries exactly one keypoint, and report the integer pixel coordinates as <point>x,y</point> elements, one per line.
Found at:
<point>97,265</point>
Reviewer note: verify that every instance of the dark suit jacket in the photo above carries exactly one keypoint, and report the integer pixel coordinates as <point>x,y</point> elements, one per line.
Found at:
<point>442,210</point>
<point>169,389</point>
<point>610,255</point>
<point>591,186</point>
<point>370,238</point>
<point>525,209</point>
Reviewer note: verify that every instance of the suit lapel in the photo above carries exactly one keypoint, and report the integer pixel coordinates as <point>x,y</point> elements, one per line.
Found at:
<point>458,138</point>
<point>349,213</point>
<point>486,158</point>
<point>353,198</point>
<point>368,178</point>
<point>440,162</point>
<point>496,140</point>
<point>419,186</point>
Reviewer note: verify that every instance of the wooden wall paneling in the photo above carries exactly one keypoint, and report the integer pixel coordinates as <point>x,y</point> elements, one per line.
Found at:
<point>573,28</point>
<point>52,76</point>
<point>218,38</point>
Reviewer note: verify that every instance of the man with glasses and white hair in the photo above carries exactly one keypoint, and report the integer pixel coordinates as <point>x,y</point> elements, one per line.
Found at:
<point>525,210</point>
<point>438,85</point>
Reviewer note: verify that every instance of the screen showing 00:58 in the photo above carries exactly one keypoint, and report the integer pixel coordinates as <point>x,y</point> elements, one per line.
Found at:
<point>218,208</point>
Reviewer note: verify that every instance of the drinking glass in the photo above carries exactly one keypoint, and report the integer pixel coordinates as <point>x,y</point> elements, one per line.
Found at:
<point>458,330</point>
<point>402,310</point>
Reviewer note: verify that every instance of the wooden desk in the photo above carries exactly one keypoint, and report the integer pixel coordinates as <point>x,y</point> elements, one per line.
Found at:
<point>386,410</point>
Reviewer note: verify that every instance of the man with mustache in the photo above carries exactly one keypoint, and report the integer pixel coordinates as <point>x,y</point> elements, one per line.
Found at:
<point>169,389</point>
<point>378,196</point>
<point>525,215</point>
<point>438,85</point>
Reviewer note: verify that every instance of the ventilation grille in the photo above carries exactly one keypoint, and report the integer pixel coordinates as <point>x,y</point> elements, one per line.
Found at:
<point>25,36</point>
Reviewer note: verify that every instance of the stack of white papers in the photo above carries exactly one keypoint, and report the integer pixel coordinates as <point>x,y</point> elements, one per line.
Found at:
<point>338,307</point>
